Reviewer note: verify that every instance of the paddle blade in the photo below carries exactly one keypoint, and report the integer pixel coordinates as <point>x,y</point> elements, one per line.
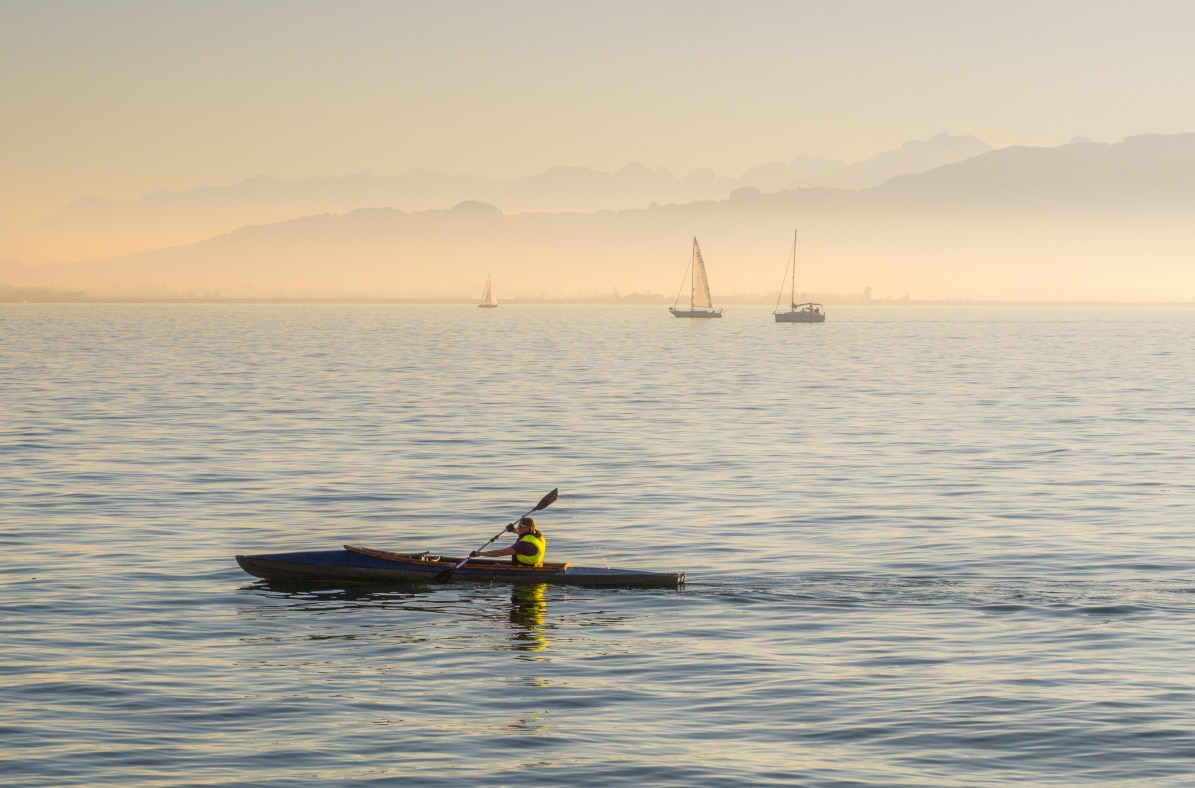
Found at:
<point>547,500</point>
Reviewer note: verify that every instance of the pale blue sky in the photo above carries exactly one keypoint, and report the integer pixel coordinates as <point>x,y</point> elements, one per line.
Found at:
<point>119,98</point>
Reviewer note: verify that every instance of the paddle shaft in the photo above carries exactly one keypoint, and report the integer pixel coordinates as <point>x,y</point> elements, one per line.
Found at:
<point>544,503</point>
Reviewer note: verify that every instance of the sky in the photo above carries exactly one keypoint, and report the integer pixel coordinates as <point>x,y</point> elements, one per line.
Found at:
<point>118,99</point>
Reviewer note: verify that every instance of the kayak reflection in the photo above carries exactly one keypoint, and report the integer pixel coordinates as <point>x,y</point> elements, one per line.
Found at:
<point>528,610</point>
<point>527,613</point>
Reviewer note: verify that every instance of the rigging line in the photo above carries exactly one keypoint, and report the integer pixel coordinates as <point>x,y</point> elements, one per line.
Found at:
<point>794,265</point>
<point>780,294</point>
<point>682,280</point>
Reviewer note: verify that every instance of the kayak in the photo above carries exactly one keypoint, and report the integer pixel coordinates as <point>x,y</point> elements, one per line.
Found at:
<point>366,566</point>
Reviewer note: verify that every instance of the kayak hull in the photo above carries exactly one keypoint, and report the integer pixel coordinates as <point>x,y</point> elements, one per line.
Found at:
<point>366,567</point>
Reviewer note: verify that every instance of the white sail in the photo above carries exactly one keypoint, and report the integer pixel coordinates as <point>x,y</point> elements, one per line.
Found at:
<point>701,285</point>
<point>700,303</point>
<point>487,297</point>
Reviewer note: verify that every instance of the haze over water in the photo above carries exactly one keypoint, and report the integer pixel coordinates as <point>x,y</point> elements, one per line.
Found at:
<point>941,547</point>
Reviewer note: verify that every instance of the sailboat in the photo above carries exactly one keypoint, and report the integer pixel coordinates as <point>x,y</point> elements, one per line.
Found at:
<point>808,312</point>
<point>700,304</point>
<point>488,301</point>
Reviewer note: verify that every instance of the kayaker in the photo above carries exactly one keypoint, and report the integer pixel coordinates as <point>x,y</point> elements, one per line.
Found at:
<point>529,549</point>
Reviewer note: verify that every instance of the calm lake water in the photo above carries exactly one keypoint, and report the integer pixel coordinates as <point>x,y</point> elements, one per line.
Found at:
<point>925,546</point>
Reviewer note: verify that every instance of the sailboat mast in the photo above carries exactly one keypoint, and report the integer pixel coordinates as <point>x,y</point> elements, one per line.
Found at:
<point>792,296</point>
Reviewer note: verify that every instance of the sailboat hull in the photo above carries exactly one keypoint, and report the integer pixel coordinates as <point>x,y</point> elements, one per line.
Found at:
<point>800,317</point>
<point>487,306</point>
<point>694,313</point>
<point>808,312</point>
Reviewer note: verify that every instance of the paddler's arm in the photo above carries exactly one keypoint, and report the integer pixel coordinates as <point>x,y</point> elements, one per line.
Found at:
<point>493,553</point>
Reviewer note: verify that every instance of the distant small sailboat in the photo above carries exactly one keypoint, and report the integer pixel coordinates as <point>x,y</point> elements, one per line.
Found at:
<point>700,303</point>
<point>808,312</point>
<point>488,301</point>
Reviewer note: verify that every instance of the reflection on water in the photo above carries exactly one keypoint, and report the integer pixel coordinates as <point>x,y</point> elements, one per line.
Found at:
<point>528,608</point>
<point>527,611</point>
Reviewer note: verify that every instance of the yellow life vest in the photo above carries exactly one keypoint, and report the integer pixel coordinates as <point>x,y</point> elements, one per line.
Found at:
<point>541,550</point>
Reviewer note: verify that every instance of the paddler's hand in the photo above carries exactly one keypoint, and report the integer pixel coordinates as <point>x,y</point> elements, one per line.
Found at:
<point>511,528</point>
<point>475,554</point>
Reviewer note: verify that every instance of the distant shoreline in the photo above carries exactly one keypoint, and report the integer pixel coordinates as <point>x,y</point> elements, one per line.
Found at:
<point>903,302</point>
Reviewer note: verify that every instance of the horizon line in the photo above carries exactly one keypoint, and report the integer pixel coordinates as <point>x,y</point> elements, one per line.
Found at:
<point>364,300</point>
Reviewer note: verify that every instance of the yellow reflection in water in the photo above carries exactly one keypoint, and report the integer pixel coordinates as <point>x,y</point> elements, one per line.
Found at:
<point>528,608</point>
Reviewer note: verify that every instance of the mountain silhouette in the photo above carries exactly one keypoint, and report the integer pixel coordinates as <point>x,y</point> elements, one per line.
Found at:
<point>91,227</point>
<point>1085,220</point>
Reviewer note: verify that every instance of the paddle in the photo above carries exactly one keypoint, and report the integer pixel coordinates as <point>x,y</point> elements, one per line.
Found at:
<point>544,503</point>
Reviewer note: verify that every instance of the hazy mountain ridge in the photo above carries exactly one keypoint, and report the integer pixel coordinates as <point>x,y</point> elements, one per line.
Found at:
<point>90,227</point>
<point>910,159</point>
<point>1141,173</point>
<point>1011,223</point>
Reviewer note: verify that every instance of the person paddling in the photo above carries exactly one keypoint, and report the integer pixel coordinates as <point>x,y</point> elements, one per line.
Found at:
<point>529,549</point>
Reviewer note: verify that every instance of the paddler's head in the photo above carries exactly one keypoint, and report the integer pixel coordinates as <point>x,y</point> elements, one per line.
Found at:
<point>526,525</point>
